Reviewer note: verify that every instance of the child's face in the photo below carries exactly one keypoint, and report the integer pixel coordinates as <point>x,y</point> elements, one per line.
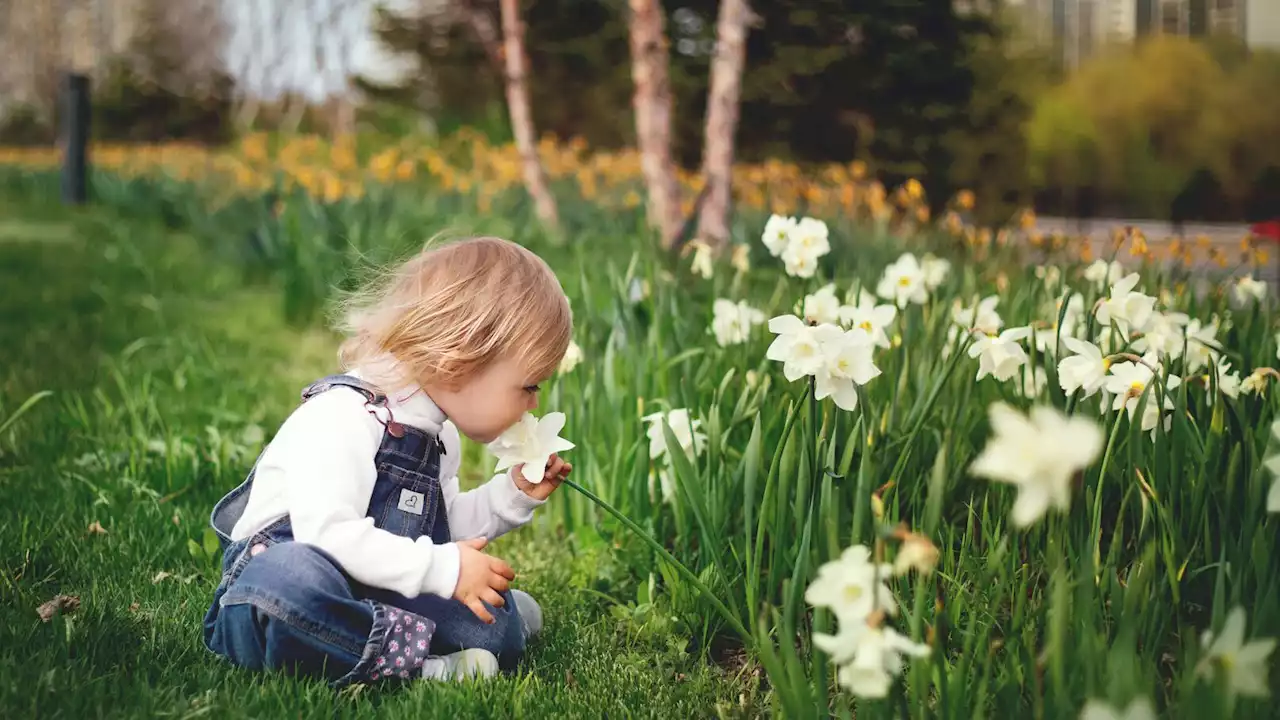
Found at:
<point>484,406</point>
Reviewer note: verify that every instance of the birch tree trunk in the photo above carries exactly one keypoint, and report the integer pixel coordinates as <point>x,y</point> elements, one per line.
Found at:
<point>516,66</point>
<point>723,103</point>
<point>652,104</point>
<point>481,25</point>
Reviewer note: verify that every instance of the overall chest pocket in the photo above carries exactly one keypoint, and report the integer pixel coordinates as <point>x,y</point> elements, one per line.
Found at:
<point>406,501</point>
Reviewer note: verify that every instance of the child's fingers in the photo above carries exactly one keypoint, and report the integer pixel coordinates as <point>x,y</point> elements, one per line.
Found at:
<point>477,543</point>
<point>499,583</point>
<point>478,609</point>
<point>502,568</point>
<point>553,468</point>
<point>493,598</point>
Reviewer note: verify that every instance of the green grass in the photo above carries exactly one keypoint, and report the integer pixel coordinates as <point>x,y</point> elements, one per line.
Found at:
<point>166,375</point>
<point>1108,599</point>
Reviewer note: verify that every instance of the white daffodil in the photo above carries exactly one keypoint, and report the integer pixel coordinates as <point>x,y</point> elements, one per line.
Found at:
<point>1139,709</point>
<point>1248,289</point>
<point>1202,344</point>
<point>731,322</point>
<point>1000,355</point>
<point>1255,383</point>
<point>812,235</point>
<point>1278,346</point>
<point>796,347</point>
<point>870,317</point>
<point>1273,466</point>
<point>1101,273</point>
<point>877,657</point>
<point>1050,274</point>
<point>530,442</point>
<point>904,282</point>
<point>1164,335</point>
<point>851,587</point>
<point>1038,454</point>
<point>1047,339</point>
<point>777,233</point>
<point>935,270</point>
<point>1128,309</point>
<point>1128,380</point>
<point>980,316</point>
<point>572,357</point>
<point>799,261</point>
<point>822,307</point>
<point>702,264</point>
<point>809,242</point>
<point>1033,382</point>
<point>638,291</point>
<point>847,362</point>
<point>1244,664</point>
<point>683,426</point>
<point>1085,370</point>
<point>660,480</point>
<point>1229,383</point>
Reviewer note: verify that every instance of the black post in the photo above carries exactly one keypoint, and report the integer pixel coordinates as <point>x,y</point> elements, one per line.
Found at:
<point>75,138</point>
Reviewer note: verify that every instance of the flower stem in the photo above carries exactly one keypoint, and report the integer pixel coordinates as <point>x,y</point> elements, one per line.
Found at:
<point>1102,476</point>
<point>688,574</point>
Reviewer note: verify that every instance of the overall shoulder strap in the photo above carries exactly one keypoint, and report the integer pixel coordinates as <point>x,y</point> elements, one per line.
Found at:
<point>371,393</point>
<point>374,398</point>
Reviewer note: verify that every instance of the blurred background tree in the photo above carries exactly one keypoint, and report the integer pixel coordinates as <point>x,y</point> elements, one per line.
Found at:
<point>951,93</point>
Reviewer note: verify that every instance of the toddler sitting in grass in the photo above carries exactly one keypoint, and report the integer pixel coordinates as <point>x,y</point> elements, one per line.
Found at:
<point>349,552</point>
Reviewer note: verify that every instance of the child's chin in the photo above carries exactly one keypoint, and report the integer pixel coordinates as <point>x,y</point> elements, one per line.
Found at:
<point>484,439</point>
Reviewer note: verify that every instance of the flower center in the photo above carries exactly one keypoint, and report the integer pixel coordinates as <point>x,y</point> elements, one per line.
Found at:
<point>853,593</point>
<point>865,325</point>
<point>904,281</point>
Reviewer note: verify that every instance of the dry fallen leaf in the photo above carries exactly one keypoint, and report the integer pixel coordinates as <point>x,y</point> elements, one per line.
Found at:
<point>133,607</point>
<point>96,528</point>
<point>64,604</point>
<point>160,576</point>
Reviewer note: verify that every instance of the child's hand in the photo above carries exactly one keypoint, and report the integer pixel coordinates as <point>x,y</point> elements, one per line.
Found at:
<point>555,473</point>
<point>481,577</point>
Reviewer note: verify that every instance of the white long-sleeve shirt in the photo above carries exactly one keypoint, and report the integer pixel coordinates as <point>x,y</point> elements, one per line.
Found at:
<point>319,469</point>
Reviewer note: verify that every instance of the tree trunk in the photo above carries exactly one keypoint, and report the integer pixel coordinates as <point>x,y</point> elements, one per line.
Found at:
<point>652,104</point>
<point>481,25</point>
<point>722,120</point>
<point>516,69</point>
<point>246,112</point>
<point>344,121</point>
<point>295,110</point>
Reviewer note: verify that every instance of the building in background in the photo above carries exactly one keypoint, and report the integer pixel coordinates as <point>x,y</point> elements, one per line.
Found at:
<point>1261,23</point>
<point>1078,29</point>
<point>41,38</point>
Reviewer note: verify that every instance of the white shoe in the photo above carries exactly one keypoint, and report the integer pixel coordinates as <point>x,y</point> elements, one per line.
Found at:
<point>530,612</point>
<point>473,662</point>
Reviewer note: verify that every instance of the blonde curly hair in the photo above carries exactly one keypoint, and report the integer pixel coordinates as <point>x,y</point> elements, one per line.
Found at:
<point>448,312</point>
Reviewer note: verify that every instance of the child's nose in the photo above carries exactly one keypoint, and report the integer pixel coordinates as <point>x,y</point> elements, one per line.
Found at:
<point>533,403</point>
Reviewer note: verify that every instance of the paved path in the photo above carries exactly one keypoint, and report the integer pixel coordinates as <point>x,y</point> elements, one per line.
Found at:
<point>1226,236</point>
<point>1101,228</point>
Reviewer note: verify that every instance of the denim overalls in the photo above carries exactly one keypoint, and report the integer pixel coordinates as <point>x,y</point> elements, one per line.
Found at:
<point>287,605</point>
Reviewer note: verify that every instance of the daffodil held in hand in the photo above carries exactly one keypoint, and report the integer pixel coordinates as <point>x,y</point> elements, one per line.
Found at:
<point>530,449</point>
